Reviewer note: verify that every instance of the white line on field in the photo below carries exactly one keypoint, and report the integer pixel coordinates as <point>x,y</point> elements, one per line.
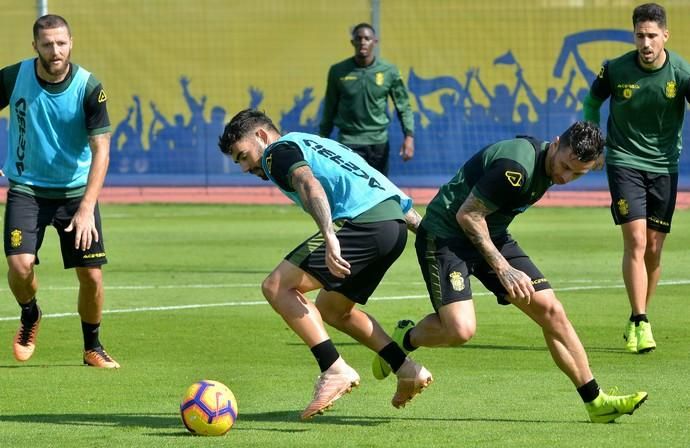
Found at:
<point>263,302</point>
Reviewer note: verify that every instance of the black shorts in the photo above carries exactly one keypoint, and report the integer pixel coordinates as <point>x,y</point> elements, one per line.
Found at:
<point>370,249</point>
<point>26,219</point>
<point>375,155</point>
<point>637,194</point>
<point>447,264</point>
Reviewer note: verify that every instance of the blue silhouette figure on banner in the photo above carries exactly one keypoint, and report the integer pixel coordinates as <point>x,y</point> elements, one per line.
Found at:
<point>291,121</point>
<point>127,153</point>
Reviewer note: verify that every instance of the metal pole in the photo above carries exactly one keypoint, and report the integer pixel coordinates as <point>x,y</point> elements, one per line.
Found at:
<point>41,7</point>
<point>375,22</point>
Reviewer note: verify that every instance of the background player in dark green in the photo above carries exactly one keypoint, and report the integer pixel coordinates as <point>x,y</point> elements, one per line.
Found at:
<point>59,146</point>
<point>362,220</point>
<point>465,232</point>
<point>356,102</point>
<point>648,88</point>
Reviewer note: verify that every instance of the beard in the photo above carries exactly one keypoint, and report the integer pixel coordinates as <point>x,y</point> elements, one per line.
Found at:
<point>52,69</point>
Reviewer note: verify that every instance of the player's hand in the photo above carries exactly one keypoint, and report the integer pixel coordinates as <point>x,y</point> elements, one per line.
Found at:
<point>407,148</point>
<point>83,224</point>
<point>517,284</point>
<point>337,265</point>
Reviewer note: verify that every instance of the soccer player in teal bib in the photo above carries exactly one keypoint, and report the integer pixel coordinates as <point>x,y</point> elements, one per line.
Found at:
<point>465,233</point>
<point>648,89</point>
<point>362,220</point>
<point>59,141</point>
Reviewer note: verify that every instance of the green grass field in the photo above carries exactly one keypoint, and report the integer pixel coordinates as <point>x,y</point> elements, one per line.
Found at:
<point>183,301</point>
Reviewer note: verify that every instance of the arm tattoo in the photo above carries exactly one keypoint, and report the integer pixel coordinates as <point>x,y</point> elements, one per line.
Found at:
<point>472,219</point>
<point>313,198</point>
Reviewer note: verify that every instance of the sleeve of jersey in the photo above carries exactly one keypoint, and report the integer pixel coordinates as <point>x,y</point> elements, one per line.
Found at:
<point>8,78</point>
<point>283,159</point>
<point>4,98</point>
<point>501,184</point>
<point>401,101</point>
<point>95,108</point>
<point>330,103</point>
<point>601,87</point>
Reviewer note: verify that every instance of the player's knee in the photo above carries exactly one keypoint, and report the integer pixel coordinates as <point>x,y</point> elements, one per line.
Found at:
<point>554,313</point>
<point>653,250</point>
<point>635,243</point>
<point>460,334</point>
<point>20,269</point>
<point>269,288</point>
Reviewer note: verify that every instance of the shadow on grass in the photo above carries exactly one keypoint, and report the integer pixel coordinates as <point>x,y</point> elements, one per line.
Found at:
<point>188,270</point>
<point>529,348</point>
<point>334,419</point>
<point>154,421</point>
<point>39,366</point>
<point>472,346</point>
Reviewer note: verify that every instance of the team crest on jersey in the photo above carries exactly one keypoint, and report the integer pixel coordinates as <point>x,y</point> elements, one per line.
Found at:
<point>456,281</point>
<point>623,207</point>
<point>16,238</point>
<point>601,72</point>
<point>102,96</point>
<point>626,90</point>
<point>514,178</point>
<point>670,89</point>
<point>379,79</point>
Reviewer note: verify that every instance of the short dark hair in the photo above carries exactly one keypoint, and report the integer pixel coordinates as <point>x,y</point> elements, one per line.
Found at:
<point>241,125</point>
<point>359,26</point>
<point>49,22</point>
<point>585,139</point>
<point>649,12</point>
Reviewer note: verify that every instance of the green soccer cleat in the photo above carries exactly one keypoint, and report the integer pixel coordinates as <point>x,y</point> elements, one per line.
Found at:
<point>645,340</point>
<point>607,408</point>
<point>630,337</point>
<point>379,367</point>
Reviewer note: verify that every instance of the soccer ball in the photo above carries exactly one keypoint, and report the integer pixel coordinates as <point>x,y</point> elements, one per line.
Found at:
<point>208,408</point>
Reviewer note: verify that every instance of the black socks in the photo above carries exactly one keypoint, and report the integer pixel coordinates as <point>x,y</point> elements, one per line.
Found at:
<point>30,312</point>
<point>90,332</point>
<point>325,353</point>
<point>589,391</point>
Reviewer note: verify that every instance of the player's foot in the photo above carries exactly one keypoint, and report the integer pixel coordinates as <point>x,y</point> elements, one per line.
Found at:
<point>645,340</point>
<point>25,339</point>
<point>413,378</point>
<point>98,357</point>
<point>331,385</point>
<point>606,408</point>
<point>630,337</point>
<point>379,367</point>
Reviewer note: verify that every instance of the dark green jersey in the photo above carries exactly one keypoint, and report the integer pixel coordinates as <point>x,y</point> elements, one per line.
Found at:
<point>356,102</point>
<point>509,175</point>
<point>647,109</point>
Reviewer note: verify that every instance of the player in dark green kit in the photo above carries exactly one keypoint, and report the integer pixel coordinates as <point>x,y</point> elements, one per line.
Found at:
<point>356,102</point>
<point>648,88</point>
<point>465,232</point>
<point>59,140</point>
